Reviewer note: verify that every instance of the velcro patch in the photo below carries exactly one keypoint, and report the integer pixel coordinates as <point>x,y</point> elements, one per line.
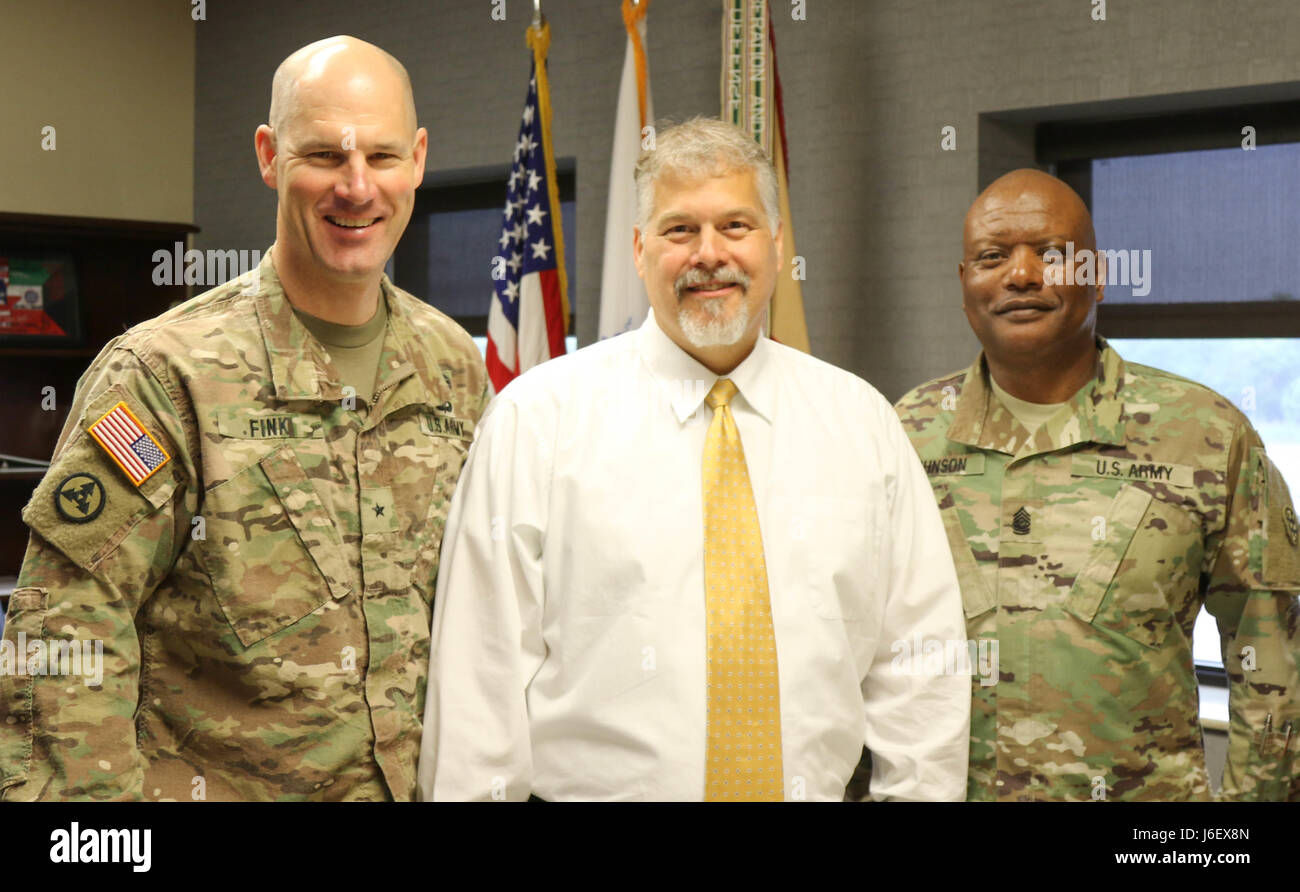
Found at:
<point>79,497</point>
<point>259,424</point>
<point>1279,560</point>
<point>1130,470</point>
<point>954,465</point>
<point>447,426</point>
<point>131,447</point>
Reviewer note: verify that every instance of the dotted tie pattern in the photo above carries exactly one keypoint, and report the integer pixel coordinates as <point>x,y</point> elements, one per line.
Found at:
<point>743,757</point>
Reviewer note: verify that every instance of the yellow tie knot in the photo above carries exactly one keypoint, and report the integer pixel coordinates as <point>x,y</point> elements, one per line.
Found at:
<point>721,394</point>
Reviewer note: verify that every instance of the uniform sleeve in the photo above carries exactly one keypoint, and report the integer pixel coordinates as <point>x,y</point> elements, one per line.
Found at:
<point>100,544</point>
<point>918,721</point>
<point>487,637</point>
<point>1252,593</point>
<point>484,398</point>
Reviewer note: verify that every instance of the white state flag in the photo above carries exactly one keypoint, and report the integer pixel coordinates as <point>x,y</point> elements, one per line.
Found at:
<point>623,303</point>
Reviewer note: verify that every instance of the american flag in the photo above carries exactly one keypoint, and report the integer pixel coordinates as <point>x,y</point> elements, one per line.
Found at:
<point>529,314</point>
<point>130,445</point>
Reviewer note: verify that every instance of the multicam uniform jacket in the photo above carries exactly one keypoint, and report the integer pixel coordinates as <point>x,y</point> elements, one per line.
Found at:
<point>1086,551</point>
<point>255,548</point>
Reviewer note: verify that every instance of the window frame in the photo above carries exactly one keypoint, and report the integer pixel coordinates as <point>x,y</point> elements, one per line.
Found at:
<point>1068,146</point>
<point>478,189</point>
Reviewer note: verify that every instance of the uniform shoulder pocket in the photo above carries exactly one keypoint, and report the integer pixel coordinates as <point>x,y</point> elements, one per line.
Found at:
<point>117,469</point>
<point>1274,530</point>
<point>271,548</point>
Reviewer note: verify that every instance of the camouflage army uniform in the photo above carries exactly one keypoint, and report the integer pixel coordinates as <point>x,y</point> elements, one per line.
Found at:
<point>264,596</point>
<point>1087,551</point>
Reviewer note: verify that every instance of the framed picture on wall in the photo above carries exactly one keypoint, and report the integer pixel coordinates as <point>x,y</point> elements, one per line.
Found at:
<point>39,301</point>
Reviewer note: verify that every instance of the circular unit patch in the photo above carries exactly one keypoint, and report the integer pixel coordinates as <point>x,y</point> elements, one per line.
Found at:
<point>80,497</point>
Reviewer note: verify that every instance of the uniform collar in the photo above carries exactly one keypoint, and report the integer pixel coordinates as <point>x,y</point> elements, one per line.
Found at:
<point>685,382</point>
<point>300,369</point>
<point>1095,414</point>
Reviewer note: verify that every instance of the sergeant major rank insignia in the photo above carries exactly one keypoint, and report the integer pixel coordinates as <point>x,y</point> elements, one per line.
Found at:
<point>129,445</point>
<point>1020,522</point>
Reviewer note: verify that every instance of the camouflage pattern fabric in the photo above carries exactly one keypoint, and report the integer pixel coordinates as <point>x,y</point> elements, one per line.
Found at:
<point>1086,551</point>
<point>264,595</point>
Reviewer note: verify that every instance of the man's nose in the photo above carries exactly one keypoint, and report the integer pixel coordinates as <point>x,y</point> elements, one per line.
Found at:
<point>1024,269</point>
<point>355,185</point>
<point>711,250</point>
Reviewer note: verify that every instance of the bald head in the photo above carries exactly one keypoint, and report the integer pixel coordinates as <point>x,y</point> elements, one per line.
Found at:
<point>319,68</point>
<point>1028,191</point>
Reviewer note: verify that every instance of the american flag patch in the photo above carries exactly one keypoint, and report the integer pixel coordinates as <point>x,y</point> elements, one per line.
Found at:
<point>129,444</point>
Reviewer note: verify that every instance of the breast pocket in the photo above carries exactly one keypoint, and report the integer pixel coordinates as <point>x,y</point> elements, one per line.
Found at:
<point>977,596</point>
<point>271,548</point>
<point>1142,571</point>
<point>447,457</point>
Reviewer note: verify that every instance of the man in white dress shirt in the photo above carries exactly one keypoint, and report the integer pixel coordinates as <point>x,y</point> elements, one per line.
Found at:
<point>690,563</point>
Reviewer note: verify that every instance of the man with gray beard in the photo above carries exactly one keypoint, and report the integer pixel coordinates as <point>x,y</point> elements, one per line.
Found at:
<point>622,566</point>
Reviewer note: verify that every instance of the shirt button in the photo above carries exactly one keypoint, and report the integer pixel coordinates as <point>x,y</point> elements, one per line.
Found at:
<point>1001,782</point>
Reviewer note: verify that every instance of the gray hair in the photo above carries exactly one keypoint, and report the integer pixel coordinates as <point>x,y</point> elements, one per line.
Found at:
<point>704,147</point>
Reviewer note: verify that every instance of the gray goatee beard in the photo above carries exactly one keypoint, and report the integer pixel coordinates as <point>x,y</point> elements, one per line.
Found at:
<point>716,330</point>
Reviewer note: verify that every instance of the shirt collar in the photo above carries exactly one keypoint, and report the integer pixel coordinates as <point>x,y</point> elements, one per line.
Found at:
<point>685,382</point>
<point>299,367</point>
<point>1095,414</point>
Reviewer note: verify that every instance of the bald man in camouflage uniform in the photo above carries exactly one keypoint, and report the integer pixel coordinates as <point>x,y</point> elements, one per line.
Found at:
<point>246,518</point>
<point>1093,506</point>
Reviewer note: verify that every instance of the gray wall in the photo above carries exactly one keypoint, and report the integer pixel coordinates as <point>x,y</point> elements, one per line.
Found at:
<point>868,83</point>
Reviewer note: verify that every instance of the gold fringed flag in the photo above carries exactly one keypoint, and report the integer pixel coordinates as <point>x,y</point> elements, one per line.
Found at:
<point>751,99</point>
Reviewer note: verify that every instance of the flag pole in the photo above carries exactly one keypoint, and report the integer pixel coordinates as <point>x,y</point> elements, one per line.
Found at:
<point>539,40</point>
<point>631,15</point>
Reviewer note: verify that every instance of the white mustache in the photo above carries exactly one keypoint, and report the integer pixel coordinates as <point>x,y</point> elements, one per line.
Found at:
<point>696,276</point>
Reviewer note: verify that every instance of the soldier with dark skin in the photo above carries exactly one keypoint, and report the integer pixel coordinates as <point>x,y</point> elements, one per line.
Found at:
<point>1015,315</point>
<point>245,508</point>
<point>1093,506</point>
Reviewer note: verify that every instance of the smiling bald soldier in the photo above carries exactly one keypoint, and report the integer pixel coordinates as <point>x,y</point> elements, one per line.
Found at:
<point>247,502</point>
<point>1093,506</point>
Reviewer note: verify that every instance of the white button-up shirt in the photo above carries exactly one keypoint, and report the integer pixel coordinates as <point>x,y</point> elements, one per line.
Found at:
<point>569,651</point>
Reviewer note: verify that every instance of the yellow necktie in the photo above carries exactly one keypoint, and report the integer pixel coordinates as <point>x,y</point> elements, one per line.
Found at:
<point>743,755</point>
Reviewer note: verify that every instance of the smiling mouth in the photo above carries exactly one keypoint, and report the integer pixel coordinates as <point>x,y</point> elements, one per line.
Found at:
<point>709,291</point>
<point>352,222</point>
<point>1020,306</point>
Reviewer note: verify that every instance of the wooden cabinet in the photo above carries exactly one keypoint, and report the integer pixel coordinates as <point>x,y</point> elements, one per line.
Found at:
<point>114,266</point>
